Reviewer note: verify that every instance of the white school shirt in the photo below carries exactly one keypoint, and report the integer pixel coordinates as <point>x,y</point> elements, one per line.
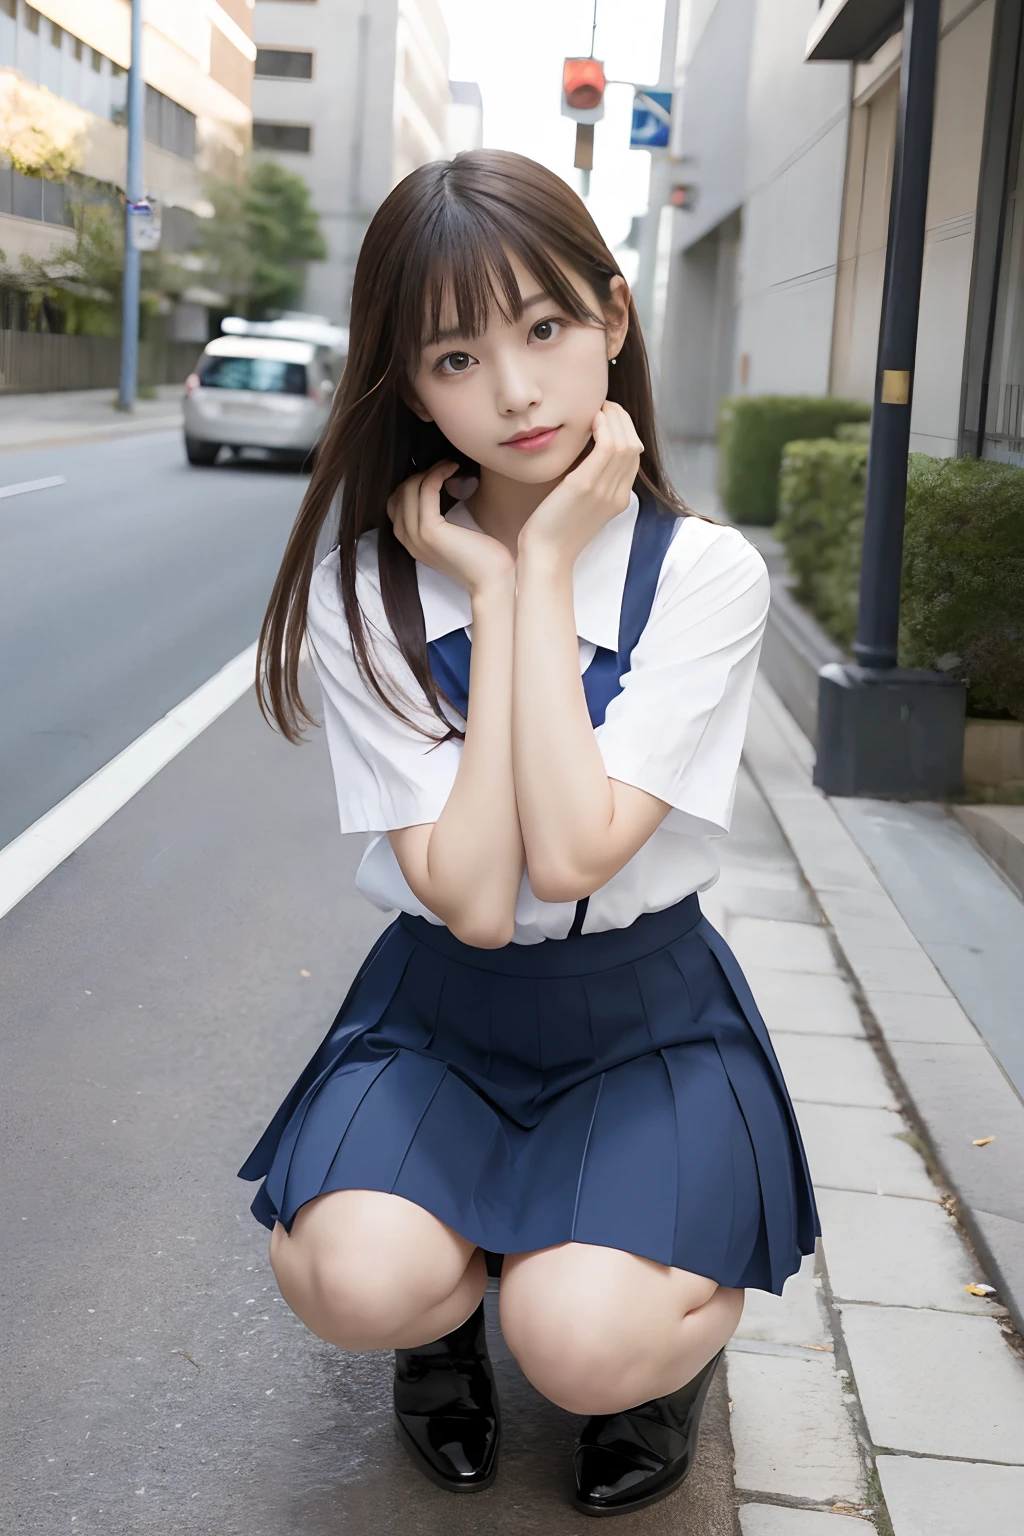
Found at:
<point>676,729</point>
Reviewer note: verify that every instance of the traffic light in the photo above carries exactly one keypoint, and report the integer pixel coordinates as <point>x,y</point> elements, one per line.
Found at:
<point>583,85</point>
<point>583,90</point>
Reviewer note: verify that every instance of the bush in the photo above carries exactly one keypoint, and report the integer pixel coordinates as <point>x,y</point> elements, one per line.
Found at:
<point>963,578</point>
<point>963,563</point>
<point>821,523</point>
<point>752,432</point>
<point>853,431</point>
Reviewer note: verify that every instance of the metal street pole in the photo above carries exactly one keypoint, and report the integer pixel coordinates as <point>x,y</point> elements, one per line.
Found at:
<point>879,614</point>
<point>133,194</point>
<point>883,730</point>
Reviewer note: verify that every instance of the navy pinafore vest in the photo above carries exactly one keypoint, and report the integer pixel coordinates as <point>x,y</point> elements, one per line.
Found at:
<point>653,531</point>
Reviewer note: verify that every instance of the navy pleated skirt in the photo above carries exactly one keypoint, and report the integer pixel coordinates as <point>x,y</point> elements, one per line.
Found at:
<point>612,1088</point>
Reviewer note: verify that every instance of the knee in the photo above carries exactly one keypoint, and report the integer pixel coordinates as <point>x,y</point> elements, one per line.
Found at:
<point>582,1363</point>
<point>349,1301</point>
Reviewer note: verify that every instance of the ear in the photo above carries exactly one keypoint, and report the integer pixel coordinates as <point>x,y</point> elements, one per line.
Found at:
<point>617,315</point>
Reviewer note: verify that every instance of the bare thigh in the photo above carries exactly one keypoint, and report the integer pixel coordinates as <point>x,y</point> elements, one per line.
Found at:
<point>366,1270</point>
<point>598,1330</point>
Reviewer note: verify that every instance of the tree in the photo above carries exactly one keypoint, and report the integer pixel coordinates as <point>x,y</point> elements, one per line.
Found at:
<point>263,231</point>
<point>83,277</point>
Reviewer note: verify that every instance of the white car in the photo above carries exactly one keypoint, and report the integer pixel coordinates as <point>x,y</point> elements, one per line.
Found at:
<point>258,392</point>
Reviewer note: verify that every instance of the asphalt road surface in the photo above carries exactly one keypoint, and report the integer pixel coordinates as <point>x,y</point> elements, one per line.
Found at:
<point>155,1011</point>
<point>121,591</point>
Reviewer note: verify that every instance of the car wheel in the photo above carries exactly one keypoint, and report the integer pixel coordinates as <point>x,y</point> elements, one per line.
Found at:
<point>199,452</point>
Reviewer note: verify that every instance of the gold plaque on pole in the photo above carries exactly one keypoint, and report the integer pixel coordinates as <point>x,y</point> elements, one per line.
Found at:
<point>895,386</point>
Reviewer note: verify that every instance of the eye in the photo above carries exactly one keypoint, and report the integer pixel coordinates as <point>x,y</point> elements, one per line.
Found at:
<point>547,330</point>
<point>454,362</point>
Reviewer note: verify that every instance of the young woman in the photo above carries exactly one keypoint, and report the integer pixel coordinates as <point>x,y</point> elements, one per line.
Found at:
<point>536,668</point>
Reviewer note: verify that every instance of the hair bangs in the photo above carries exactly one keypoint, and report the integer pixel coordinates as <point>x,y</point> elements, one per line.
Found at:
<point>467,276</point>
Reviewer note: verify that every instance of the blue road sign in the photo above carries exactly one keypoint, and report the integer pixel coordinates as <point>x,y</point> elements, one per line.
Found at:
<point>652,118</point>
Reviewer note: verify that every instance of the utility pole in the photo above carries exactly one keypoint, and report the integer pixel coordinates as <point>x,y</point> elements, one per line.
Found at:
<point>661,175</point>
<point>132,194</point>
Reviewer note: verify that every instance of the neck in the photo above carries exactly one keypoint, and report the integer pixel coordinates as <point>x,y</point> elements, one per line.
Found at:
<point>501,507</point>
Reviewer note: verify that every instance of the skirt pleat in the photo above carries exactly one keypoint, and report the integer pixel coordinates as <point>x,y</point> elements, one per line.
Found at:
<point>622,1093</point>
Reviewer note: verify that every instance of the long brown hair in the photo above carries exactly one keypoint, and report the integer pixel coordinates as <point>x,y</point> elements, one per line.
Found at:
<point>445,231</point>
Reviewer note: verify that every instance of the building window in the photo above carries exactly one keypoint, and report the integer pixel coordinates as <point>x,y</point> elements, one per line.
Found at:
<point>9,7</point>
<point>117,70</point>
<point>76,47</point>
<point>56,34</point>
<point>31,19</point>
<point>284,63</point>
<point>170,126</point>
<point>96,60</point>
<point>287,138</point>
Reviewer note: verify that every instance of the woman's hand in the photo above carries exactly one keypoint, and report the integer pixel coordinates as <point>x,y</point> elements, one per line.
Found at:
<point>471,558</point>
<point>597,490</point>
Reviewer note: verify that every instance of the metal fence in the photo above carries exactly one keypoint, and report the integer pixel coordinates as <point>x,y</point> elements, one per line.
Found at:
<point>36,361</point>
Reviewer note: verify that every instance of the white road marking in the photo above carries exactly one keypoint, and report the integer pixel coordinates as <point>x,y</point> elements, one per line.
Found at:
<point>37,851</point>
<point>32,485</point>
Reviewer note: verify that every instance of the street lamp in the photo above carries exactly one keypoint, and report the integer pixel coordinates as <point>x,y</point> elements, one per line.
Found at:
<point>885,730</point>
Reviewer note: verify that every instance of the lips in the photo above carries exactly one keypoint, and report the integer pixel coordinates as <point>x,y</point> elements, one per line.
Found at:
<point>532,439</point>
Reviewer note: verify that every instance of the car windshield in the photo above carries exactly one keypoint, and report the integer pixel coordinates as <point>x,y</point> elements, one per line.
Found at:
<point>268,375</point>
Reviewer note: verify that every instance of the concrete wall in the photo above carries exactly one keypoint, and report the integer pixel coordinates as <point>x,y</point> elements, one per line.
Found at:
<point>961,94</point>
<point>752,278</point>
<point>796,129</point>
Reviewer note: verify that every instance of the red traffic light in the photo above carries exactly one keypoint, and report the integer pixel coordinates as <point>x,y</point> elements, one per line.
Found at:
<point>583,84</point>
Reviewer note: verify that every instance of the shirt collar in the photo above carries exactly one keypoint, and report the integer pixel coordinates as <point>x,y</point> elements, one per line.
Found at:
<point>598,579</point>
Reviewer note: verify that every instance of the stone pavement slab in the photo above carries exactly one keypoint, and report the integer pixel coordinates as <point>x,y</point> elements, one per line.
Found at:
<point>960,1093</point>
<point>937,1383</point>
<point>833,1069</point>
<point>774,1520</point>
<point>950,1498</point>
<point>850,1148</point>
<point>897,1253</point>
<point>804,1003</point>
<point>767,945</point>
<point>795,1317</point>
<point>951,1084</point>
<point>927,1020</point>
<point>792,1434</point>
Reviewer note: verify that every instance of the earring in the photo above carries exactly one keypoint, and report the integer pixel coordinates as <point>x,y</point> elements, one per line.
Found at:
<point>613,361</point>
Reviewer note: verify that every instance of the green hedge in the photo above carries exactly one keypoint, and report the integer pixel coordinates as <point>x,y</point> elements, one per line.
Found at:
<point>963,566</point>
<point>821,523</point>
<point>752,432</point>
<point>963,577</point>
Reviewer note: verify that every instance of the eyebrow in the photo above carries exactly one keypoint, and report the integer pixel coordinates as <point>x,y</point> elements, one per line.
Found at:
<point>455,333</point>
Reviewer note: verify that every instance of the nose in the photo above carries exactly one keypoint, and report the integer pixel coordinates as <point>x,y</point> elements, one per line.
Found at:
<point>518,390</point>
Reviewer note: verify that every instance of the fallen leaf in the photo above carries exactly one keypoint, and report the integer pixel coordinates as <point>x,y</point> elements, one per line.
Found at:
<point>306,974</point>
<point>983,1141</point>
<point>185,1354</point>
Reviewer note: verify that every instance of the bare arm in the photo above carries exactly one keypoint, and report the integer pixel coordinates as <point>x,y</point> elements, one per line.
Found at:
<point>467,866</point>
<point>579,827</point>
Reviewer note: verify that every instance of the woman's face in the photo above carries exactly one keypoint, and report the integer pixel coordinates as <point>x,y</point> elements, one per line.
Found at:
<point>520,399</point>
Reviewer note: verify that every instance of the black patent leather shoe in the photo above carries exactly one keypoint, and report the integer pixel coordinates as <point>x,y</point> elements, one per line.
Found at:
<point>625,1461</point>
<point>446,1408</point>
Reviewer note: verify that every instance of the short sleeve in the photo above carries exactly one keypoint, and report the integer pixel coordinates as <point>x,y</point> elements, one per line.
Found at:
<point>387,773</point>
<point>676,730</point>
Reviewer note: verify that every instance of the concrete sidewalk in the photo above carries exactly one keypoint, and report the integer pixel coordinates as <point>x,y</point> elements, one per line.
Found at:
<point>71,416</point>
<point>888,1076</point>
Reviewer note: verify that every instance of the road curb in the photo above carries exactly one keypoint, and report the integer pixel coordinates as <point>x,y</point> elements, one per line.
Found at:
<point>953,1086</point>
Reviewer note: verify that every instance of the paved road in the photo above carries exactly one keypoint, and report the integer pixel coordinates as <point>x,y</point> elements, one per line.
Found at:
<point>155,1013</point>
<point>121,591</point>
